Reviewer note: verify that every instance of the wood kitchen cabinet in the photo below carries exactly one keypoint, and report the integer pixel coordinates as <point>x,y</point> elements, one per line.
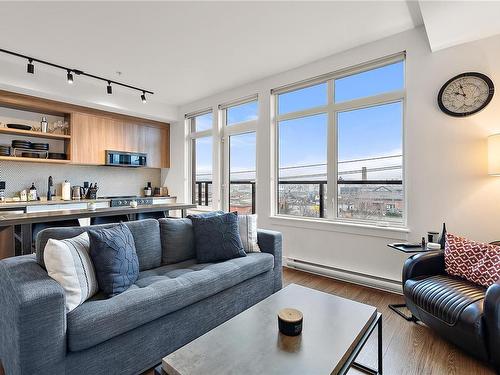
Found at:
<point>93,134</point>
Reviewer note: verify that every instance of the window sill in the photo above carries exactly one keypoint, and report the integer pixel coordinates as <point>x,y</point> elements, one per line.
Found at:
<point>391,232</point>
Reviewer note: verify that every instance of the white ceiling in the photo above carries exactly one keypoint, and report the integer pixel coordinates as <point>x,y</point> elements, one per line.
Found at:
<point>187,50</point>
<point>449,23</point>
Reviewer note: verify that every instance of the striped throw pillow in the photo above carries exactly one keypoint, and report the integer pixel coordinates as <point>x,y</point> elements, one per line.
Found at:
<point>248,233</point>
<point>68,262</point>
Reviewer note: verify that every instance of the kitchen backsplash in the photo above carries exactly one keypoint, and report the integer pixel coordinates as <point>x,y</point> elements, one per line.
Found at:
<point>112,181</point>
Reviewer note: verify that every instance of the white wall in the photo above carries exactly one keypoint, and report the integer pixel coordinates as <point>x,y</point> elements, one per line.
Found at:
<point>446,158</point>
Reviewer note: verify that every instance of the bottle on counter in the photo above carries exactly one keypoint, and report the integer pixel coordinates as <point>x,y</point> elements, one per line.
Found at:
<point>2,191</point>
<point>50,187</point>
<point>23,195</point>
<point>66,191</point>
<point>442,238</point>
<point>148,190</point>
<point>44,125</point>
<point>32,195</point>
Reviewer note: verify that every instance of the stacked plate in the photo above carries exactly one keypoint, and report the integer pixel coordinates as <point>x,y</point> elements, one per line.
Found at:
<point>19,126</point>
<point>30,155</point>
<point>4,150</point>
<point>40,146</point>
<point>16,143</point>
<point>56,155</point>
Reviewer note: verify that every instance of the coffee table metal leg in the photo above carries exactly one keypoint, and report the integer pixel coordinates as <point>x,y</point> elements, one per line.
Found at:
<point>369,370</point>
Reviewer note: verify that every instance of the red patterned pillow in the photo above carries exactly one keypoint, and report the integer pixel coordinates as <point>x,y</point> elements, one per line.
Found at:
<point>487,271</point>
<point>473,261</point>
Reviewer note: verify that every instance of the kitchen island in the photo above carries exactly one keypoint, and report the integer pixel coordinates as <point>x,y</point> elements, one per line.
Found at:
<point>25,220</point>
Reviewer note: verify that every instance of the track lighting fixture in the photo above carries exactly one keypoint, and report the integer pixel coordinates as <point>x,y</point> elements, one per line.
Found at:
<point>30,68</point>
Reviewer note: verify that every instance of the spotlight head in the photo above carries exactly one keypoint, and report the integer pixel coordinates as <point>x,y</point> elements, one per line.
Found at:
<point>109,88</point>
<point>30,68</point>
<point>143,97</point>
<point>70,77</point>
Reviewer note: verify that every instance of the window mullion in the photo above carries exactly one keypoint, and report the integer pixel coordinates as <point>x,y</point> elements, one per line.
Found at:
<point>224,162</point>
<point>303,113</point>
<point>331,156</point>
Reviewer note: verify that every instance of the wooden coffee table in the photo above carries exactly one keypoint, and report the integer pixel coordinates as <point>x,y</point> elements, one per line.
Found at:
<point>334,331</point>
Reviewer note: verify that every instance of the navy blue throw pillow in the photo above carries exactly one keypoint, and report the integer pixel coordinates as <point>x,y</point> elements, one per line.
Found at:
<point>217,238</point>
<point>206,214</point>
<point>115,260</point>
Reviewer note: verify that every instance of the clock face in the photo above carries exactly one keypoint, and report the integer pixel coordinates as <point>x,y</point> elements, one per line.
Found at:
<point>465,94</point>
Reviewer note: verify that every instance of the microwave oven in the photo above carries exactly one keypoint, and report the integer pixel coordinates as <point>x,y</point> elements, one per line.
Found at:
<point>125,159</point>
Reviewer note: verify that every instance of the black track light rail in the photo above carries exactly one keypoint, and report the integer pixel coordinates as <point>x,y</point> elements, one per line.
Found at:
<point>76,71</point>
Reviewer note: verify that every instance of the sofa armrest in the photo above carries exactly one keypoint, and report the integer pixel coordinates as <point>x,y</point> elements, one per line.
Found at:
<point>271,242</point>
<point>33,319</point>
<point>492,319</point>
<point>423,264</point>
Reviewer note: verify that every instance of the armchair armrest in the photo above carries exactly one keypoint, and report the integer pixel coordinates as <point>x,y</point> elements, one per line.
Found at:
<point>423,264</point>
<point>492,320</point>
<point>271,242</point>
<point>33,319</point>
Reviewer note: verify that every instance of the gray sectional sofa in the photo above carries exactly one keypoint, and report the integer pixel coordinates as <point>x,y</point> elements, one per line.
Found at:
<point>169,306</point>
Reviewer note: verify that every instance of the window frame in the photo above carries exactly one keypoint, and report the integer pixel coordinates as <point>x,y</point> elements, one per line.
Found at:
<point>235,129</point>
<point>192,136</point>
<point>332,109</point>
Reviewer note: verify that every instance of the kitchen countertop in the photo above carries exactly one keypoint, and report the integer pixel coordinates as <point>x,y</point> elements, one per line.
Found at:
<point>58,200</point>
<point>43,202</point>
<point>40,217</point>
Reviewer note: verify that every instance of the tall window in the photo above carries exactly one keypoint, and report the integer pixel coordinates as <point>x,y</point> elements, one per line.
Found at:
<point>239,134</point>
<point>200,126</point>
<point>340,145</point>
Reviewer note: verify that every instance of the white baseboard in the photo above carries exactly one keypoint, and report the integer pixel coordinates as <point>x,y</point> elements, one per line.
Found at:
<point>393,286</point>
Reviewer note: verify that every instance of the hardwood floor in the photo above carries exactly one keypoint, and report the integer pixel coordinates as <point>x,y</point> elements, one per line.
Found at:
<point>409,348</point>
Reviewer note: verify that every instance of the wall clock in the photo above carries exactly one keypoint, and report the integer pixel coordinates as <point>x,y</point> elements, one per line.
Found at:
<point>465,94</point>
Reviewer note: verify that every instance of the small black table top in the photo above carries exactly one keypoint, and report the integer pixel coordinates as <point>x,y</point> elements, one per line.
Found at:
<point>410,248</point>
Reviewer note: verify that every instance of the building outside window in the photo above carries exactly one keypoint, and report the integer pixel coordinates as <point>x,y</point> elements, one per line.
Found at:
<point>340,145</point>
<point>200,134</point>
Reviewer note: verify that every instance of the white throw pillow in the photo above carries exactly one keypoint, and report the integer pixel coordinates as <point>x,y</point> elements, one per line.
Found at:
<point>248,232</point>
<point>68,262</point>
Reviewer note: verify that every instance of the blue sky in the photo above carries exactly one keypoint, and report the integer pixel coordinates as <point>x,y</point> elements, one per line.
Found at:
<point>362,133</point>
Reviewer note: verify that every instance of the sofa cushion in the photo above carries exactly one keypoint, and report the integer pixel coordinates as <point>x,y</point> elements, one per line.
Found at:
<point>156,293</point>
<point>177,240</point>
<point>177,237</point>
<point>146,235</point>
<point>217,238</point>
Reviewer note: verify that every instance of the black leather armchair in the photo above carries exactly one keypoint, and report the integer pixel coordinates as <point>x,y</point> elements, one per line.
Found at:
<point>464,313</point>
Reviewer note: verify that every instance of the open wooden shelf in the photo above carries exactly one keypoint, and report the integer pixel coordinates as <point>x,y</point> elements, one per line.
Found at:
<point>34,160</point>
<point>31,133</point>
